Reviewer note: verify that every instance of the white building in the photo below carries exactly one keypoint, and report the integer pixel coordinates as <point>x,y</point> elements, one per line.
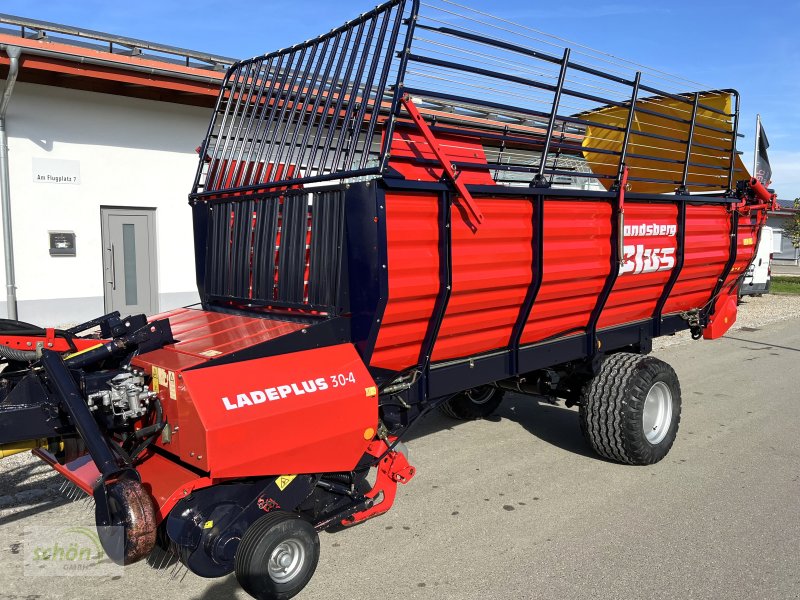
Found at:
<point>101,144</point>
<point>785,253</point>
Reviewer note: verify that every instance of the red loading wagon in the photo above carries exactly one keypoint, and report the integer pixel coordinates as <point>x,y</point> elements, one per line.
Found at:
<point>398,216</point>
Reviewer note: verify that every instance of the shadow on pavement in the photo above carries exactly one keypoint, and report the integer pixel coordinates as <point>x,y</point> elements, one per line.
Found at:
<point>32,484</point>
<point>551,423</point>
<point>57,500</point>
<point>221,588</point>
<point>765,345</point>
<point>554,424</point>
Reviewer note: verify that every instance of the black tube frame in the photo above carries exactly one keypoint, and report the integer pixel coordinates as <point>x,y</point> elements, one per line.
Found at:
<point>344,69</point>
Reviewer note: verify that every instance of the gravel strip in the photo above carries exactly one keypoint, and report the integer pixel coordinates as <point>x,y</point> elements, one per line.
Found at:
<point>754,313</point>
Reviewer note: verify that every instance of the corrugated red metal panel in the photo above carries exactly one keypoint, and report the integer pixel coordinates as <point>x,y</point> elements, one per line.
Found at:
<point>207,335</point>
<point>576,262</point>
<point>491,273</point>
<point>747,243</point>
<point>650,245</point>
<point>706,252</point>
<point>412,233</point>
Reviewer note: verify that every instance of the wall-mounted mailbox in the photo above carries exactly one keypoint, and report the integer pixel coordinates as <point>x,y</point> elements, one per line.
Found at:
<point>62,243</point>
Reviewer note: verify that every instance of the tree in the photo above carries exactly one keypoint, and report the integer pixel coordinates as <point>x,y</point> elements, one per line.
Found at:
<point>792,229</point>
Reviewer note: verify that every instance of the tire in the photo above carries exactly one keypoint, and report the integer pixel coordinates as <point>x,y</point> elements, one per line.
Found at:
<point>131,534</point>
<point>476,403</point>
<point>277,536</point>
<point>630,411</point>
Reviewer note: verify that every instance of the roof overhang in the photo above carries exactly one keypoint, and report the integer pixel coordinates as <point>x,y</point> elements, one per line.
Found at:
<point>62,65</point>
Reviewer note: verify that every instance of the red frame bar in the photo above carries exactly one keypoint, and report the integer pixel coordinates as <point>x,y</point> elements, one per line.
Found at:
<point>50,341</point>
<point>767,198</point>
<point>444,158</point>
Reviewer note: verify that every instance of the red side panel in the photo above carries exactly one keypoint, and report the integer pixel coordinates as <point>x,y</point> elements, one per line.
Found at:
<point>576,263</point>
<point>706,252</point>
<point>747,244</point>
<point>491,274</point>
<point>305,412</point>
<point>649,257</point>
<point>725,309</point>
<point>724,317</point>
<point>201,336</point>
<point>412,233</point>
<point>206,335</point>
<point>491,271</point>
<point>409,147</point>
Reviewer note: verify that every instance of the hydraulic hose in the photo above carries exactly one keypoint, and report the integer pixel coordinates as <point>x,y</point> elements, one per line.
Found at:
<point>17,355</point>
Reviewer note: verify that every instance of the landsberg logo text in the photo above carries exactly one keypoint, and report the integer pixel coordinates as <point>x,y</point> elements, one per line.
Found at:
<point>649,229</point>
<point>639,258</point>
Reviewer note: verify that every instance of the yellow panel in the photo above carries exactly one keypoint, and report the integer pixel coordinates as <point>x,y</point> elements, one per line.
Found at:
<point>605,139</point>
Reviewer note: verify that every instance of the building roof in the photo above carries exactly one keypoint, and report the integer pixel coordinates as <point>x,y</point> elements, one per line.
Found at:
<point>71,57</point>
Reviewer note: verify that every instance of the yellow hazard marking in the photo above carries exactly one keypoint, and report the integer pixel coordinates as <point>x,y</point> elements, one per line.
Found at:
<point>84,351</point>
<point>156,372</point>
<point>283,481</point>
<point>747,241</point>
<point>208,524</point>
<point>371,391</point>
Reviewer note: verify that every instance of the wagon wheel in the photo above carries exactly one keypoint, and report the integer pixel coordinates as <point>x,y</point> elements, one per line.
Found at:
<point>631,410</point>
<point>475,403</point>
<point>277,556</point>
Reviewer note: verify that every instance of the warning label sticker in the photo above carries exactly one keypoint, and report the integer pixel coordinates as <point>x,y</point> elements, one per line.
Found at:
<point>283,481</point>
<point>156,371</point>
<point>161,380</point>
<point>210,353</point>
<point>173,393</point>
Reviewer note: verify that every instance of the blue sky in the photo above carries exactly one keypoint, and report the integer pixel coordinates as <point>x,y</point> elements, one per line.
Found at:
<point>751,46</point>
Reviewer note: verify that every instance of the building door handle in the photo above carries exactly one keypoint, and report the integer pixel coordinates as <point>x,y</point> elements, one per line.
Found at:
<point>113,281</point>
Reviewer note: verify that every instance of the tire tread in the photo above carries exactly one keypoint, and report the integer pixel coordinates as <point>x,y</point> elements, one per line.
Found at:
<point>612,401</point>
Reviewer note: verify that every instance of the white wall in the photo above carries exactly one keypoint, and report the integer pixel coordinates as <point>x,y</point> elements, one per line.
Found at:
<point>132,153</point>
<point>787,254</point>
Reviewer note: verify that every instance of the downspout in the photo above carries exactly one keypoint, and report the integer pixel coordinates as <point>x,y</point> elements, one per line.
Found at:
<point>5,187</point>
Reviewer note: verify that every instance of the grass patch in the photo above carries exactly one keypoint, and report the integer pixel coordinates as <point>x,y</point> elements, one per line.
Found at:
<point>785,285</point>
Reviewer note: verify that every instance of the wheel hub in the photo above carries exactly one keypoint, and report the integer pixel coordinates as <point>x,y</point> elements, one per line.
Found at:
<point>286,561</point>
<point>657,412</point>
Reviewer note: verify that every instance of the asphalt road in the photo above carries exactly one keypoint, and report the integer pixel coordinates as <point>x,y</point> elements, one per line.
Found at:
<point>519,508</point>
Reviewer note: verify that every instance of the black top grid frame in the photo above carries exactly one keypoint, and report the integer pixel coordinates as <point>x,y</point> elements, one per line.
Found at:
<point>310,112</point>
<point>326,109</point>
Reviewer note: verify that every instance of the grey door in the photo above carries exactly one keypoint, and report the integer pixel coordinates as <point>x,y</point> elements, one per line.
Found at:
<point>129,260</point>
